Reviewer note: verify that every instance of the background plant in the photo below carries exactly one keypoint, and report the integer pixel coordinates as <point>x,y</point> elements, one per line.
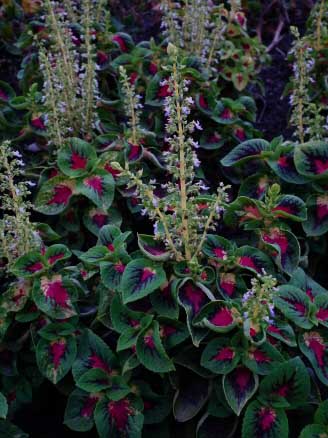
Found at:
<point>155,304</point>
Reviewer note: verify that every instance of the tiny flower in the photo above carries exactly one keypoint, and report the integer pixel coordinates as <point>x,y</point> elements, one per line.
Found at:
<point>197,125</point>
<point>196,161</point>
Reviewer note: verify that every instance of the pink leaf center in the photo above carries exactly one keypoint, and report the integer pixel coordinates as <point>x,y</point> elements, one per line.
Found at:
<point>55,257</point>
<point>260,357</point>
<point>56,292</point>
<point>283,391</point>
<point>225,353</point>
<point>120,412</point>
<point>226,114</point>
<point>57,351</point>
<point>322,314</point>
<point>89,406</point>
<point>164,91</point>
<point>62,194</point>
<point>134,151</point>
<point>37,123</point>
<point>111,170</point>
<point>168,331</point>
<point>243,376</point>
<point>146,274</point>
<point>321,166</point>
<point>78,162</point>
<point>96,361</point>
<point>219,253</point>
<point>95,182</point>
<point>35,267</point>
<point>310,294</point>
<point>248,262</point>
<point>279,238</point>
<point>222,318</point>
<point>194,296</point>
<point>149,342</point>
<point>119,267</point>
<point>3,95</point>
<point>267,417</point>
<point>202,102</point>
<point>120,42</point>
<point>283,161</point>
<point>99,219</point>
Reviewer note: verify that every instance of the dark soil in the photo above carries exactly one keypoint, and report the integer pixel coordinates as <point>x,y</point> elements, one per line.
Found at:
<point>274,108</point>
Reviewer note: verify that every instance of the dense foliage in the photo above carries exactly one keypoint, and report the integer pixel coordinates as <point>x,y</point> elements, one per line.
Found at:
<point>160,261</point>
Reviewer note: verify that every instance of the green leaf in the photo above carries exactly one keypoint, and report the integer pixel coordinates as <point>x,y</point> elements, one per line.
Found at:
<point>311,159</point>
<point>118,418</point>
<point>283,332</point>
<point>219,356</point>
<point>76,157</point>
<point>156,406</point>
<point>29,265</point>
<point>295,305</point>
<point>55,296</point>
<point>290,207</point>
<point>192,297</point>
<point>282,163</point>
<point>79,410</point>
<point>153,249</point>
<point>286,386</point>
<point>314,345</point>
<point>94,380</point>
<point>321,302</point>
<point>95,255</point>
<point>6,92</point>
<point>310,287</point>
<point>119,388</point>
<point>321,414</point>
<point>55,358</point>
<point>264,421</point>
<point>172,332</point>
<point>95,218</point>
<point>190,398</point>
<point>216,247</point>
<point>122,317</point>
<point>99,187</point>
<point>230,285</point>
<point>56,253</point>
<point>210,427</point>
<point>245,151</point>
<point>150,350</point>
<point>254,260</point>
<point>3,406</point>
<point>93,353</point>
<point>164,301</point>
<point>314,431</point>
<point>140,278</point>
<point>218,316</point>
<point>262,359</point>
<point>239,386</point>
<point>55,330</point>
<point>285,246</point>
<point>54,195</point>
<point>9,430</point>
<point>16,296</point>
<point>317,222</point>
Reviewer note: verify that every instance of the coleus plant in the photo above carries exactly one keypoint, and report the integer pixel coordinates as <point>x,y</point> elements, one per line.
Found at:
<point>209,321</point>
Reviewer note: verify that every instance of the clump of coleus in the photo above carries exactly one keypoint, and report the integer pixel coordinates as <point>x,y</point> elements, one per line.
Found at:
<point>212,321</point>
